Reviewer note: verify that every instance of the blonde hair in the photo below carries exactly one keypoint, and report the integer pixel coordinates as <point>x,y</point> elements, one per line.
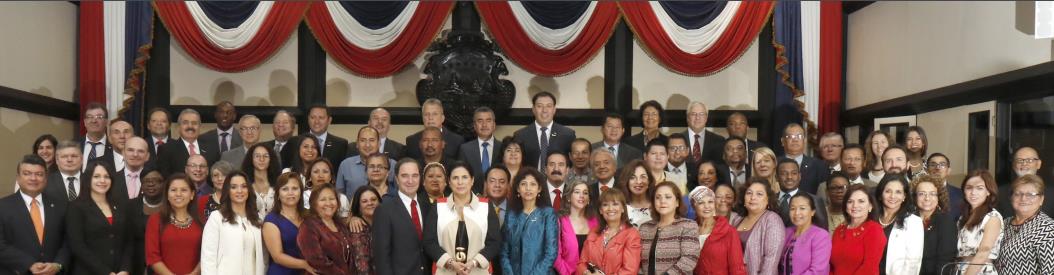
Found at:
<point>766,153</point>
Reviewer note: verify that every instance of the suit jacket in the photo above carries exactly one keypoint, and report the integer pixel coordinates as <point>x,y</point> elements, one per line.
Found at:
<point>713,149</point>
<point>285,157</point>
<point>396,248</point>
<point>99,247</point>
<point>335,149</point>
<point>173,157</point>
<point>394,149</point>
<point>560,139</point>
<point>152,161</point>
<point>626,153</point>
<point>21,248</point>
<point>469,153</point>
<point>724,173</point>
<point>211,140</point>
<point>56,187</point>
<point>637,140</point>
<point>81,141</point>
<point>813,171</point>
<point>453,141</point>
<point>235,156</point>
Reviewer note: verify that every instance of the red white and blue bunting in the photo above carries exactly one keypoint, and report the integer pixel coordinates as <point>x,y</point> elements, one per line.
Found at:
<point>376,39</point>
<point>231,36</point>
<point>549,38</point>
<point>696,38</point>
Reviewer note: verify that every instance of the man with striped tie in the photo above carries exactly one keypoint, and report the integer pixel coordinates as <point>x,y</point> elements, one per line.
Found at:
<point>94,143</point>
<point>65,183</point>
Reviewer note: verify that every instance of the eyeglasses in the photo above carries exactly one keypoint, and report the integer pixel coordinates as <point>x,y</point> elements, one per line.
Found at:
<point>794,136</point>
<point>95,117</point>
<point>938,165</point>
<point>1026,161</point>
<point>678,148</point>
<point>697,114</point>
<point>377,167</point>
<point>926,194</point>
<point>261,156</point>
<point>197,166</point>
<point>250,129</point>
<point>1026,195</point>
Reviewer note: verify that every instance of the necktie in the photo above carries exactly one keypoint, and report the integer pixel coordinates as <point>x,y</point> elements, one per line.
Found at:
<point>278,146</point>
<point>696,151</point>
<point>321,145</point>
<point>612,149</point>
<point>486,157</point>
<point>157,145</point>
<point>557,199</point>
<point>38,221</point>
<point>223,142</point>
<point>543,148</point>
<point>783,200</point>
<point>133,185</point>
<point>193,149</point>
<point>416,218</point>
<point>71,191</point>
<point>604,188</point>
<point>91,153</point>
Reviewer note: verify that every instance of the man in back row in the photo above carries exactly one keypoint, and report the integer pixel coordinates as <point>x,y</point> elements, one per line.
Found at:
<point>544,135</point>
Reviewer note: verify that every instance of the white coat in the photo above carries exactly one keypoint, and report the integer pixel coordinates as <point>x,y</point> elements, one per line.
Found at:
<point>904,247</point>
<point>224,247</point>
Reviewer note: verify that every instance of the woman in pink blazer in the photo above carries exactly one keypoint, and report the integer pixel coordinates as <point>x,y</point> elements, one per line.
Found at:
<point>577,219</point>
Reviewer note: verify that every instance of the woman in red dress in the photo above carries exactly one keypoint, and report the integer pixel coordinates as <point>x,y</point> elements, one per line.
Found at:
<point>173,235</point>
<point>858,243</point>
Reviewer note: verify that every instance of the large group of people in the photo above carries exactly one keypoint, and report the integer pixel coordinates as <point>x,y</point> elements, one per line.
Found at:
<point>542,201</point>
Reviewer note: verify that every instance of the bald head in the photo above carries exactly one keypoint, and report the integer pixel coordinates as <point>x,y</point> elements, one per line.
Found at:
<point>136,153</point>
<point>1026,161</point>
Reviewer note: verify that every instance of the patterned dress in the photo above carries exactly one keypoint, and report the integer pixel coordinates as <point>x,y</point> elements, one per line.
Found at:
<point>969,240</point>
<point>1027,248</point>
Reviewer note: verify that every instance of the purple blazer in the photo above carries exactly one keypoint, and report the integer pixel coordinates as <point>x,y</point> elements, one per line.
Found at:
<point>811,253</point>
<point>567,259</point>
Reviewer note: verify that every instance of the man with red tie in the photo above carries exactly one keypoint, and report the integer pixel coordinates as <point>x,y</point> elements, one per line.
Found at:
<point>555,174</point>
<point>32,225</point>
<point>398,247</point>
<point>172,157</point>
<point>604,166</point>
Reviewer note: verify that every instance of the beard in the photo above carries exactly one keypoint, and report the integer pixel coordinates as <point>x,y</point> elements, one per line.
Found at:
<point>1024,172</point>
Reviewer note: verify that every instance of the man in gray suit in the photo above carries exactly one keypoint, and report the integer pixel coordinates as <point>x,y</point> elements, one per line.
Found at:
<point>249,130</point>
<point>613,130</point>
<point>544,135</point>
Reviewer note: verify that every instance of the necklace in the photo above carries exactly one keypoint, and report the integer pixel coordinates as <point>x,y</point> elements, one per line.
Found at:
<point>884,224</point>
<point>148,205</point>
<point>180,224</point>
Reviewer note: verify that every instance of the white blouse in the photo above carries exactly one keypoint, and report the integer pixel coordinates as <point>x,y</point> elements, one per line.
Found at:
<point>638,216</point>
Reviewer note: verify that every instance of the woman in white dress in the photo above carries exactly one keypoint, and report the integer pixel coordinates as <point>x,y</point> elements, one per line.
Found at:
<point>981,226</point>
<point>639,184</point>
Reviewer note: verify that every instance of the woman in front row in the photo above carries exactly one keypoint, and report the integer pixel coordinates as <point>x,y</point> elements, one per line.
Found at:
<point>614,247</point>
<point>462,234</point>
<point>577,219</point>
<point>941,234</point>
<point>324,238</point>
<point>173,234</point>
<point>860,241</point>
<point>282,225</point>
<point>531,230</point>
<point>1028,236</point>
<point>760,229</point>
<point>904,230</point>
<point>231,242</point>
<point>722,252</point>
<point>981,226</point>
<point>669,243</point>
<point>96,225</point>
<point>807,249</point>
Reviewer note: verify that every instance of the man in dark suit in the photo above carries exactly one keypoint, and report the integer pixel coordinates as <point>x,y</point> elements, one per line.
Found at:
<point>173,155</point>
<point>32,225</point>
<point>225,137</point>
<point>249,130</point>
<point>479,153</point>
<point>120,131</point>
<point>381,121</point>
<point>813,170</point>
<point>334,148</point>
<point>160,129</point>
<point>398,247</point>
<point>283,127</point>
<point>612,130</point>
<point>432,115</point>
<point>703,144</point>
<point>65,182</point>
<point>830,151</point>
<point>737,126</point>
<point>790,180</point>
<point>544,135</point>
<point>93,143</point>
<point>128,182</point>
<point>603,165</point>
<point>733,167</point>
<point>939,165</point>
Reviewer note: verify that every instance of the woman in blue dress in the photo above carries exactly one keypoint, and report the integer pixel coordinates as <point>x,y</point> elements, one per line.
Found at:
<point>530,228</point>
<point>281,227</point>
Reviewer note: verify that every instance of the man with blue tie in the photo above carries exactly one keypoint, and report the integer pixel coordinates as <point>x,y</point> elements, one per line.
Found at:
<point>479,153</point>
<point>613,130</point>
<point>32,224</point>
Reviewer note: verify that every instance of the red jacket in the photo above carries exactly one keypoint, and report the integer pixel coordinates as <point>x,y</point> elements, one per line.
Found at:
<point>620,257</point>
<point>722,253</point>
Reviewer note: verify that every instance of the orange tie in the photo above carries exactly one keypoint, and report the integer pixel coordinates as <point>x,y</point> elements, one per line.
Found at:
<point>38,222</point>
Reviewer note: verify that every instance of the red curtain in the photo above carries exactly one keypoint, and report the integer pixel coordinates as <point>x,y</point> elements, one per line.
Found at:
<point>516,45</point>
<point>91,56</point>
<point>419,32</point>
<point>831,49</point>
<point>281,21</point>
<point>742,31</point>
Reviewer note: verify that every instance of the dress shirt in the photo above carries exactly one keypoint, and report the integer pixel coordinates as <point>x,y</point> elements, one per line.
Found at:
<point>380,144</point>
<point>779,198</point>
<point>691,141</point>
<point>100,150</point>
<point>279,144</point>
<point>797,159</point>
<point>133,189</point>
<point>538,131</point>
<point>66,183</point>
<point>197,147</point>
<point>740,178</point>
<point>118,161</point>
<point>615,152</point>
<point>490,150</point>
<point>677,174</point>
<point>352,174</point>
<point>40,205</point>
<point>610,184</point>
<point>406,203</point>
<point>321,141</point>
<point>552,192</point>
<point>154,140</point>
<point>857,180</point>
<point>227,140</point>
